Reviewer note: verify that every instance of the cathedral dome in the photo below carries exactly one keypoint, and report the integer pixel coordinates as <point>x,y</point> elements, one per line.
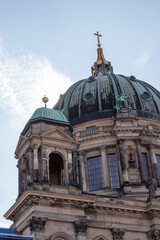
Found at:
<point>105,95</point>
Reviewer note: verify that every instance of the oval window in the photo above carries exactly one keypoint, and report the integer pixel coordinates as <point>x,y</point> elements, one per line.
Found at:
<point>146,96</point>
<point>88,97</point>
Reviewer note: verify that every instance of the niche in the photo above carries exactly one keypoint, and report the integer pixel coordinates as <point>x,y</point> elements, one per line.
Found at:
<point>56,167</point>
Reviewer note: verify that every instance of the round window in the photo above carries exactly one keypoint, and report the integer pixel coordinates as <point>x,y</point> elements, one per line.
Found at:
<point>88,97</point>
<point>146,96</point>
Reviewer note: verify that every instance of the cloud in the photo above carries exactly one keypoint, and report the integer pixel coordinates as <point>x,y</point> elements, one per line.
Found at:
<point>25,79</point>
<point>4,225</point>
<point>142,59</point>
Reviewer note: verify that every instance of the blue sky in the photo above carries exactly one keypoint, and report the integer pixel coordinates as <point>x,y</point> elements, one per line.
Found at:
<point>46,45</point>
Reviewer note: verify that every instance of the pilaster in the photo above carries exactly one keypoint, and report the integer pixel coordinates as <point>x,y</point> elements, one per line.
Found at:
<point>153,161</point>
<point>44,165</point>
<point>123,161</point>
<point>105,166</point>
<point>35,164</point>
<point>140,160</point>
<point>83,170</point>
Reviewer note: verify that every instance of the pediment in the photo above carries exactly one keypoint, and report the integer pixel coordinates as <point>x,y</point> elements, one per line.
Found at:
<point>20,144</point>
<point>58,133</point>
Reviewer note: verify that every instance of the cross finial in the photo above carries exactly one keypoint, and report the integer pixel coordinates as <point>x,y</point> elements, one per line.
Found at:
<point>98,35</point>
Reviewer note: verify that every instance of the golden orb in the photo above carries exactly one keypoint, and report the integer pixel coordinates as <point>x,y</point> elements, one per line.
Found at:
<point>45,99</point>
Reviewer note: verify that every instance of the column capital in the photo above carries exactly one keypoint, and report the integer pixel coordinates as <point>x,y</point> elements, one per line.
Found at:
<point>103,147</point>
<point>137,141</point>
<point>80,226</point>
<point>151,146</point>
<point>82,153</point>
<point>69,150</point>
<point>118,233</point>
<point>37,224</point>
<point>120,141</point>
<point>35,146</point>
<point>29,149</point>
<point>153,234</point>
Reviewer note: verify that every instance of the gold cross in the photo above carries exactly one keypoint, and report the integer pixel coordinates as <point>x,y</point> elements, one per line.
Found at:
<point>98,35</point>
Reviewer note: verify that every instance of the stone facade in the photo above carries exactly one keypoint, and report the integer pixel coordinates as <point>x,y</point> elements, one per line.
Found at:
<point>89,169</point>
<point>68,209</point>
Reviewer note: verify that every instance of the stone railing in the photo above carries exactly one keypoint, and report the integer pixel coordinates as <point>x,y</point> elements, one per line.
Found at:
<point>89,132</point>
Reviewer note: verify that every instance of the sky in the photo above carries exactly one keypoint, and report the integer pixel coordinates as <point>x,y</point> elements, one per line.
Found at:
<point>47,45</point>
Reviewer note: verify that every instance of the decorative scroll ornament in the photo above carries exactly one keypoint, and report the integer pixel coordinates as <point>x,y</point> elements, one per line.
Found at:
<point>37,224</point>
<point>154,235</point>
<point>118,233</point>
<point>80,226</point>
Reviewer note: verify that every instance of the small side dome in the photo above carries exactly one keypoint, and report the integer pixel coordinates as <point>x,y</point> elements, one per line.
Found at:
<point>47,115</point>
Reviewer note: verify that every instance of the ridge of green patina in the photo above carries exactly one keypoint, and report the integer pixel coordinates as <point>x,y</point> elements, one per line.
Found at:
<point>106,95</point>
<point>47,115</point>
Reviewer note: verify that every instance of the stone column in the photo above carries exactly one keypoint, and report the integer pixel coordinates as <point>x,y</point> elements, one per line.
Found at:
<point>70,167</point>
<point>20,188</point>
<point>83,170</point>
<point>153,162</point>
<point>44,165</point>
<point>23,174</point>
<point>35,164</point>
<point>74,163</point>
<point>123,161</point>
<point>29,158</point>
<point>80,228</point>
<point>140,160</point>
<point>105,166</point>
<point>119,165</point>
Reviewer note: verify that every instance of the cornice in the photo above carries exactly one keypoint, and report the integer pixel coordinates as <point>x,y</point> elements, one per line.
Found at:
<point>84,202</point>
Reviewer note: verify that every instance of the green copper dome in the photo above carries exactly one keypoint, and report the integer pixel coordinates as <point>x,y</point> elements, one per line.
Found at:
<point>43,114</point>
<point>105,95</point>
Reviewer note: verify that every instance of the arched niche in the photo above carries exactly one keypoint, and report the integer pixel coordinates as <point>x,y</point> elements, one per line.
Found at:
<point>56,169</point>
<point>60,236</point>
<point>131,157</point>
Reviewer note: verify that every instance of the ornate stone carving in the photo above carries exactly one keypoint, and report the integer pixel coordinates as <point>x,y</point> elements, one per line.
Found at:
<point>80,226</point>
<point>37,224</point>
<point>154,235</point>
<point>117,233</point>
<point>151,185</point>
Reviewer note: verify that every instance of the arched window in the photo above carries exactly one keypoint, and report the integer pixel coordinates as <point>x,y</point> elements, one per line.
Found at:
<point>56,167</point>
<point>60,236</point>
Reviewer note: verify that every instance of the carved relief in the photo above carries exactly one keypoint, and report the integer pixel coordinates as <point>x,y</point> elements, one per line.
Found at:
<point>37,224</point>
<point>154,235</point>
<point>118,233</point>
<point>80,226</point>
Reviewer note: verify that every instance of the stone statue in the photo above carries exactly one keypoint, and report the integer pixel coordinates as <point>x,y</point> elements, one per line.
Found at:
<point>121,104</point>
<point>151,185</point>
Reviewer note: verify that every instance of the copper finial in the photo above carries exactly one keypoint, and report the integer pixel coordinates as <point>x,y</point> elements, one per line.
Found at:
<point>45,100</point>
<point>98,35</point>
